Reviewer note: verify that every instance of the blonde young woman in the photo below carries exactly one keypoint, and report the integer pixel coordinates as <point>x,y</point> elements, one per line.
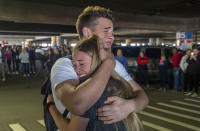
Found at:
<point>24,57</point>
<point>86,60</point>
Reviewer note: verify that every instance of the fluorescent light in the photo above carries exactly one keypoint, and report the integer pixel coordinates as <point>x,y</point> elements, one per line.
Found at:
<point>73,44</point>
<point>44,44</point>
<point>133,44</point>
<point>149,44</point>
<point>163,44</point>
<point>143,44</point>
<point>138,44</point>
<point>123,44</point>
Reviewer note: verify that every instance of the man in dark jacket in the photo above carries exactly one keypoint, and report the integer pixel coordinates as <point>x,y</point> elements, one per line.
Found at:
<point>15,55</point>
<point>32,59</point>
<point>2,61</point>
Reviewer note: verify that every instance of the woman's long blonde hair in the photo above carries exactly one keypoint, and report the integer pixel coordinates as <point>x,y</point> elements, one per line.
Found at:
<point>116,86</point>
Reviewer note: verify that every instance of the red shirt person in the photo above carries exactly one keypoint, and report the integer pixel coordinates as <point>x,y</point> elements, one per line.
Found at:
<point>142,69</point>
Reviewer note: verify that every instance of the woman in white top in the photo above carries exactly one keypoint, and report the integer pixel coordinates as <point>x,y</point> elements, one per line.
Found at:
<point>24,57</point>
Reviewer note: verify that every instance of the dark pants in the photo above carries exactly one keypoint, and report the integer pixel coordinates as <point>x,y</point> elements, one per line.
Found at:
<point>32,66</point>
<point>9,65</point>
<point>193,82</point>
<point>25,68</point>
<point>49,66</point>
<point>14,65</point>
<point>181,80</point>
<point>163,79</point>
<point>143,76</point>
<point>170,78</point>
<point>186,82</point>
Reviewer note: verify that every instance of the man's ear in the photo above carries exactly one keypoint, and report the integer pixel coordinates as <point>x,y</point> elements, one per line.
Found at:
<point>86,32</point>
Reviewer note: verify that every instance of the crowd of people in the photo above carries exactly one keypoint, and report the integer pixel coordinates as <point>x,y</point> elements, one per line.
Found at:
<point>15,60</point>
<point>186,66</point>
<point>180,70</point>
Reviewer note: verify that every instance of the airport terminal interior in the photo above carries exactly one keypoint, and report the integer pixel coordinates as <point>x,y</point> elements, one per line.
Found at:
<point>165,32</point>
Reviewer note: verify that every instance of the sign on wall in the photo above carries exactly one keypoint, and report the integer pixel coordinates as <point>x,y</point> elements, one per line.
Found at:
<point>184,39</point>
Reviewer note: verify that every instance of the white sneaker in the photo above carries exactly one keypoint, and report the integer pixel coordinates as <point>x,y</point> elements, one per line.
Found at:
<point>194,95</point>
<point>164,89</point>
<point>160,89</point>
<point>8,72</point>
<point>188,94</point>
<point>17,72</point>
<point>28,74</point>
<point>24,75</point>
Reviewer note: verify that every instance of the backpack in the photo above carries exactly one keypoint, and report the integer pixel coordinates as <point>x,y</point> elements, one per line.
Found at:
<point>46,90</point>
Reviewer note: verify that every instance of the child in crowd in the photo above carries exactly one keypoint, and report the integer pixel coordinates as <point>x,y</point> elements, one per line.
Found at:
<point>163,73</point>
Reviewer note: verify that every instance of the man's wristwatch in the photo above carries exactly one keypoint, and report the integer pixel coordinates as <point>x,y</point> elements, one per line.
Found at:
<point>48,105</point>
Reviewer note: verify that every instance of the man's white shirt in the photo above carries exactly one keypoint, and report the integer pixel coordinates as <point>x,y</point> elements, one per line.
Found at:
<point>63,70</point>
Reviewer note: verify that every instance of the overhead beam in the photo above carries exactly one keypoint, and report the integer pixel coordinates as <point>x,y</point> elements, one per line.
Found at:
<point>23,11</point>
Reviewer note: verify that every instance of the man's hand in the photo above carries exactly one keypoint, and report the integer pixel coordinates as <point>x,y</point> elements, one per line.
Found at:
<point>117,110</point>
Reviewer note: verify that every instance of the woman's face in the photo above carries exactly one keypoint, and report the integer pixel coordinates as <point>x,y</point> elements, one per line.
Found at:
<point>81,62</point>
<point>141,54</point>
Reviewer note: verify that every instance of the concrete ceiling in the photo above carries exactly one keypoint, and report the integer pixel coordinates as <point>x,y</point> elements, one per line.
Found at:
<point>134,18</point>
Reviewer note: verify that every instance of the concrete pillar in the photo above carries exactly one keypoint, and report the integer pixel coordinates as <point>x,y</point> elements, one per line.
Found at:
<point>27,43</point>
<point>58,40</point>
<point>53,41</point>
<point>158,41</point>
<point>151,41</point>
<point>23,44</point>
<point>128,41</point>
<point>65,41</point>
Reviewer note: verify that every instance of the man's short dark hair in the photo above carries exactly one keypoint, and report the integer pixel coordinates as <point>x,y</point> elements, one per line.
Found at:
<point>89,16</point>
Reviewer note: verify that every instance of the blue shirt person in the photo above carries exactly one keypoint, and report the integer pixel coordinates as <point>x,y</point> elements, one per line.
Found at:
<point>121,59</point>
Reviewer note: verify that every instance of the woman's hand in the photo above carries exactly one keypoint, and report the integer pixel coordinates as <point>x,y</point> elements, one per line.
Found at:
<point>50,98</point>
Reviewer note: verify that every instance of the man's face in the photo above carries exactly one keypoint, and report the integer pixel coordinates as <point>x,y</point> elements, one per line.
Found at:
<point>104,31</point>
<point>119,53</point>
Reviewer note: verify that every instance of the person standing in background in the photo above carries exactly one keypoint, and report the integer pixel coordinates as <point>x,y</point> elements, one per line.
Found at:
<point>14,58</point>
<point>32,60</point>
<point>142,68</point>
<point>9,58</point>
<point>193,70</point>
<point>121,59</point>
<point>49,60</point>
<point>24,57</point>
<point>184,74</point>
<point>2,62</point>
<point>163,73</point>
<point>175,60</point>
